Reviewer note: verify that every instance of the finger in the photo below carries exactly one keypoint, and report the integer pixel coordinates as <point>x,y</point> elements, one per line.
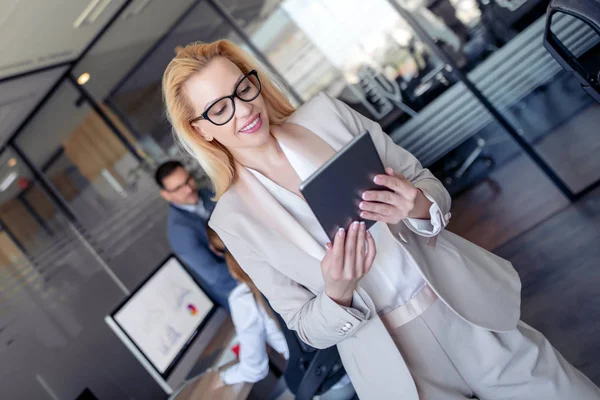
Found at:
<point>337,252</point>
<point>399,175</point>
<point>325,265</point>
<point>382,196</point>
<point>339,243</point>
<point>378,208</point>
<point>361,250</point>
<point>371,252</point>
<point>371,216</point>
<point>350,250</point>
<point>395,184</point>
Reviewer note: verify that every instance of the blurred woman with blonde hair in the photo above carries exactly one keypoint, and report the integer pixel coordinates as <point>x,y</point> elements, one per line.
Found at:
<point>415,311</point>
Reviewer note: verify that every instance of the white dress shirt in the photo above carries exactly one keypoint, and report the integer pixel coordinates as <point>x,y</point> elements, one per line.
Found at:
<point>197,209</point>
<point>394,278</point>
<point>254,329</point>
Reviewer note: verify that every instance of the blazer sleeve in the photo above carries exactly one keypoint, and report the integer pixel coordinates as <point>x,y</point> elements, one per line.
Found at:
<point>199,258</point>
<point>319,321</point>
<point>402,161</point>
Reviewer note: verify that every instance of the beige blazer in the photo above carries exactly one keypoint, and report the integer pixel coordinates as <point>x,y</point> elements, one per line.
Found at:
<point>284,260</point>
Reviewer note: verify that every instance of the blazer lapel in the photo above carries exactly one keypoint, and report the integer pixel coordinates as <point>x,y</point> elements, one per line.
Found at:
<point>268,210</point>
<point>315,151</point>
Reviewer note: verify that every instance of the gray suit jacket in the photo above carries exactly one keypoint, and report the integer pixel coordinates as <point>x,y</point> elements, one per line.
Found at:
<point>284,260</point>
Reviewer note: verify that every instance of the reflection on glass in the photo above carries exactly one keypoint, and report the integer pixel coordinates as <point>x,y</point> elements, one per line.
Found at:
<point>25,213</point>
<point>545,103</point>
<point>89,169</point>
<point>360,52</point>
<point>479,27</point>
<point>81,156</point>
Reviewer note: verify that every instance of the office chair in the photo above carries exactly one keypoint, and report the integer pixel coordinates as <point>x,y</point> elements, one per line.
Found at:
<point>585,67</point>
<point>464,166</point>
<point>310,372</point>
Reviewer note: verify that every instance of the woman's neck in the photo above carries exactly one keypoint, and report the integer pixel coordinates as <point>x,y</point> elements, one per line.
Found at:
<point>263,158</point>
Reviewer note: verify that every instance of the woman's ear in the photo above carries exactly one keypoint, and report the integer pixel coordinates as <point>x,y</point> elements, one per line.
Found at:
<point>205,136</point>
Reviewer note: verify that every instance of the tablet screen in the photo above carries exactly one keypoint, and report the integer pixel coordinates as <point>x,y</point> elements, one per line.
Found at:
<point>334,191</point>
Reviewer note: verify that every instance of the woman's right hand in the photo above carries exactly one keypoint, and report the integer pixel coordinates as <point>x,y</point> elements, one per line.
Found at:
<point>347,261</point>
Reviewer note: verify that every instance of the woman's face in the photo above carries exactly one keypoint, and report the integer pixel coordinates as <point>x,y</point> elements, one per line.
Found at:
<point>249,125</point>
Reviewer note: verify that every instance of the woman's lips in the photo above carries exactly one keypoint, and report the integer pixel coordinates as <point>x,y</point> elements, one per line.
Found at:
<point>253,125</point>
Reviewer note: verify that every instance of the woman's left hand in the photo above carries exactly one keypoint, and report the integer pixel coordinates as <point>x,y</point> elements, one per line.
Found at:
<point>401,200</point>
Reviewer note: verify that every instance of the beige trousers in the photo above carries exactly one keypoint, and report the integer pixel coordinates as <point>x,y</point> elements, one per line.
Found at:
<point>452,359</point>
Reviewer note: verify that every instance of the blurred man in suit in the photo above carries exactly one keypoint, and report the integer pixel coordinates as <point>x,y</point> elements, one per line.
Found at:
<point>189,211</point>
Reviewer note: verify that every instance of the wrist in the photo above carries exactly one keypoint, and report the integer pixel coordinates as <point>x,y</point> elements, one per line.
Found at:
<point>422,206</point>
<point>344,299</point>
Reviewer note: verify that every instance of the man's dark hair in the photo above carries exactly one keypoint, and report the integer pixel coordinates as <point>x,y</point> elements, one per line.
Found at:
<point>164,170</point>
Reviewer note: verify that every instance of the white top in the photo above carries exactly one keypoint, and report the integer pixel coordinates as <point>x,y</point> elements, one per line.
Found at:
<point>394,278</point>
<point>254,329</point>
<point>197,209</point>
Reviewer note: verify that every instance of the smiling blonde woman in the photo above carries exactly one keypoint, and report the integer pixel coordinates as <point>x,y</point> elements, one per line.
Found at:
<point>416,311</point>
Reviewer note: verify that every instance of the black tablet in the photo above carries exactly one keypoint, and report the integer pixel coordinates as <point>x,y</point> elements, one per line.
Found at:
<point>334,191</point>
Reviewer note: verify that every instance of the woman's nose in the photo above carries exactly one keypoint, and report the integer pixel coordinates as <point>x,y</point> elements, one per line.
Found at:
<point>242,108</point>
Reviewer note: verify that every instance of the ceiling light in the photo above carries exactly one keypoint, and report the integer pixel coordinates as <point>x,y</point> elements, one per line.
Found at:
<point>12,162</point>
<point>83,78</point>
<point>10,178</point>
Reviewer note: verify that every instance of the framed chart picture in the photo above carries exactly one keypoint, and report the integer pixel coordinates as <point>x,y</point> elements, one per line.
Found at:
<point>160,319</point>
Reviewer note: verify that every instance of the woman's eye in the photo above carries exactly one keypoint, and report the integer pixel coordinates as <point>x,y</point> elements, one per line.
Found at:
<point>245,90</point>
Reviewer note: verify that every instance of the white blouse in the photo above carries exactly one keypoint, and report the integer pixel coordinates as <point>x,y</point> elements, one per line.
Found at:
<point>394,278</point>
<point>254,329</point>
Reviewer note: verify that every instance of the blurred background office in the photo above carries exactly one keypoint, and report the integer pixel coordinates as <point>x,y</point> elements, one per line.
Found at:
<point>465,85</point>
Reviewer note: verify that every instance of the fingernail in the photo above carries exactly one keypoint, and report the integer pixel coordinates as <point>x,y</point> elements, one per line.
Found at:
<point>355,226</point>
<point>362,223</point>
<point>364,196</point>
<point>389,170</point>
<point>363,215</point>
<point>361,204</point>
<point>377,179</point>
<point>341,232</point>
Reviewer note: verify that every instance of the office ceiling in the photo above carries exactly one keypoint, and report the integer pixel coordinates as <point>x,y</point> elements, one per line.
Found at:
<point>36,34</point>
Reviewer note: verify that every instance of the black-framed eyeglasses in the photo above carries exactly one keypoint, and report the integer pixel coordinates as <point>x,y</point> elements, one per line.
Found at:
<point>188,182</point>
<point>222,110</point>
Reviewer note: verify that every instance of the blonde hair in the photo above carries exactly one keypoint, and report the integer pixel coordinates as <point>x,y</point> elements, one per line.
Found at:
<point>236,270</point>
<point>213,157</point>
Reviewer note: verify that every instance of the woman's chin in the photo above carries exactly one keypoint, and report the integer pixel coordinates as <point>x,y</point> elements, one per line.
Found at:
<point>257,138</point>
